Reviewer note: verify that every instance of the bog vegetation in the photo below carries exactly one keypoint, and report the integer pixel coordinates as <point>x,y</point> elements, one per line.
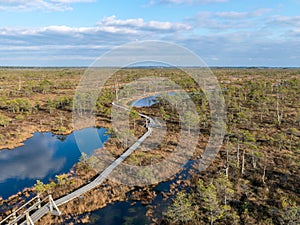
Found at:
<point>254,180</point>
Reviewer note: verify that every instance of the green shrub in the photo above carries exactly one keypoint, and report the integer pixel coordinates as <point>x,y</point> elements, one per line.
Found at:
<point>4,120</point>
<point>19,117</point>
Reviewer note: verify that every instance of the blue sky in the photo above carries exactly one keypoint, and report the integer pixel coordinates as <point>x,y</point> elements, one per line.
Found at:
<point>221,32</point>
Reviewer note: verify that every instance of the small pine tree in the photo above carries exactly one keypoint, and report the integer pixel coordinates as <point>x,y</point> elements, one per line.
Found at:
<point>40,187</point>
<point>181,210</point>
<point>209,201</point>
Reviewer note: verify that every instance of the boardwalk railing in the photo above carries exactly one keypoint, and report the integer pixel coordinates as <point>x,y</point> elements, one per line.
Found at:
<point>24,211</point>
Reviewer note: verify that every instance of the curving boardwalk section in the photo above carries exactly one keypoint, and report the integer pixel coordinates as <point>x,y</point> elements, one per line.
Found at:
<point>46,209</point>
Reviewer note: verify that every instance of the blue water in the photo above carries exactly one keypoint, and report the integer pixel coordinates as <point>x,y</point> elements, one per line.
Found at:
<point>120,213</point>
<point>145,102</point>
<point>149,101</point>
<point>42,157</point>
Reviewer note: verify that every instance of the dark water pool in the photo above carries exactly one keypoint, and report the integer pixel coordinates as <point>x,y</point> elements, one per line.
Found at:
<point>42,157</point>
<point>120,213</point>
<point>127,213</point>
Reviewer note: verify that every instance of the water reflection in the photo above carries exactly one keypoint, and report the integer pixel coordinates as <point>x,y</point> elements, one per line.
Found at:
<point>42,157</point>
<point>151,100</point>
<point>30,161</point>
<point>145,102</point>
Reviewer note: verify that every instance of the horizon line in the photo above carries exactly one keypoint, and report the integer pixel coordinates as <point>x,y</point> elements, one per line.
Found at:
<point>145,67</point>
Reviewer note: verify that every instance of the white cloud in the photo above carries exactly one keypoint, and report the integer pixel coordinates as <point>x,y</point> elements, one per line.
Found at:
<point>47,47</point>
<point>293,21</point>
<point>65,44</point>
<point>72,1</point>
<point>187,1</point>
<point>221,38</point>
<point>232,14</point>
<point>228,20</point>
<point>108,25</point>
<point>139,24</point>
<point>31,5</point>
<point>242,15</point>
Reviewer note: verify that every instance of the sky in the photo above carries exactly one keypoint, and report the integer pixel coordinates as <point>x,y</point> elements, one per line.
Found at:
<point>221,32</point>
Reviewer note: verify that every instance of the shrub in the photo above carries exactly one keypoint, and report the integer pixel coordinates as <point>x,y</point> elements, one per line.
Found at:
<point>4,120</point>
<point>19,117</point>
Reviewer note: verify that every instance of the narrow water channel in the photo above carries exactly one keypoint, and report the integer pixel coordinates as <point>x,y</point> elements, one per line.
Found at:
<point>134,212</point>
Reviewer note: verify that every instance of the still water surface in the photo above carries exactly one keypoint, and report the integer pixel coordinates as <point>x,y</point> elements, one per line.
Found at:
<point>120,213</point>
<point>42,157</point>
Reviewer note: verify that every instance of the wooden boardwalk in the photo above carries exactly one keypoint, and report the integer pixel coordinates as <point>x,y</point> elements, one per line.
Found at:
<point>96,182</point>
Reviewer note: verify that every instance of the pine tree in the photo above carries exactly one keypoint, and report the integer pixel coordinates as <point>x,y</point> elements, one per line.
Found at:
<point>224,188</point>
<point>209,201</point>
<point>181,210</point>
